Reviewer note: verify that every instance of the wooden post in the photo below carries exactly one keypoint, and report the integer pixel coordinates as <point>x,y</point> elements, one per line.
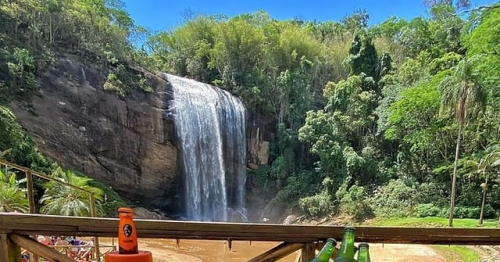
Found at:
<point>96,239</point>
<point>31,197</point>
<point>9,251</point>
<point>308,253</point>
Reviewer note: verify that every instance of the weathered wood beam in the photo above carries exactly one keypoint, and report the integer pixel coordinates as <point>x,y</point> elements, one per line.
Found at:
<point>29,224</point>
<point>308,253</point>
<point>25,169</point>
<point>278,252</point>
<point>9,251</point>
<point>31,197</point>
<point>39,249</point>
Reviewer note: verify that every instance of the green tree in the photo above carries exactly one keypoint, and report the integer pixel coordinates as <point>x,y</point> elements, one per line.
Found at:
<point>412,123</point>
<point>445,27</point>
<point>60,199</point>
<point>338,132</point>
<point>486,166</point>
<point>20,148</point>
<point>356,21</point>
<point>415,37</point>
<point>12,197</point>
<point>483,40</point>
<point>363,56</point>
<point>464,97</point>
<point>458,3</point>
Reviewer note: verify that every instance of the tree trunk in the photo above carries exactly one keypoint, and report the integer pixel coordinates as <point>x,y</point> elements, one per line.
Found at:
<point>454,179</point>
<point>484,200</point>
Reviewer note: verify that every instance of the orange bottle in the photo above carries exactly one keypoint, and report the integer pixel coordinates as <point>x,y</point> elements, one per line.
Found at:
<point>128,250</point>
<point>127,233</point>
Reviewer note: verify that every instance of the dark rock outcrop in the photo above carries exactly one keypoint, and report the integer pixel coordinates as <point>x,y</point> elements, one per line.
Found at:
<point>260,132</point>
<point>126,143</point>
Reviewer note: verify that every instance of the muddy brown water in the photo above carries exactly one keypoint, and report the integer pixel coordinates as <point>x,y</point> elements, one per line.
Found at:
<point>166,250</point>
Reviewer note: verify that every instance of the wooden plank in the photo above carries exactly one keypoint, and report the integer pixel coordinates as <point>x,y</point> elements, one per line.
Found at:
<point>97,252</point>
<point>9,251</point>
<point>276,253</point>
<point>107,227</point>
<point>308,253</point>
<point>39,249</point>
<point>31,197</point>
<point>25,169</point>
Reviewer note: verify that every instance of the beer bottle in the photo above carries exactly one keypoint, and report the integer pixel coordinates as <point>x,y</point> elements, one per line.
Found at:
<point>127,235</point>
<point>347,250</point>
<point>363,253</point>
<point>326,252</point>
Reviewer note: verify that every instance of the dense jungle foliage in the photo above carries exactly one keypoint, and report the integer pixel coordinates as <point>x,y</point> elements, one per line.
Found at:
<point>32,33</point>
<point>371,120</point>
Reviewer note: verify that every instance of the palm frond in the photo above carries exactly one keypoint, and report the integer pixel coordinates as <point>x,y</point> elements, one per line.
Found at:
<point>461,94</point>
<point>5,152</point>
<point>64,200</point>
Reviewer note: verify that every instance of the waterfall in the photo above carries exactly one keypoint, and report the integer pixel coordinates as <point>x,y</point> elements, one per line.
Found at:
<point>210,128</point>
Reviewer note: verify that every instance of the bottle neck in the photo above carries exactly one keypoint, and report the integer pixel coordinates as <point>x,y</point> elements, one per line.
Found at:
<point>363,255</point>
<point>125,215</point>
<point>327,251</point>
<point>347,247</point>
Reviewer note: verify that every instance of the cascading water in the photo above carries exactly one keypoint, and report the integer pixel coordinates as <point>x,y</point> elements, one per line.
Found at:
<point>210,126</point>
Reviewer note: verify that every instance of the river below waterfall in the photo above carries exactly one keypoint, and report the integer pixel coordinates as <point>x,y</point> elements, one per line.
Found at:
<point>165,250</point>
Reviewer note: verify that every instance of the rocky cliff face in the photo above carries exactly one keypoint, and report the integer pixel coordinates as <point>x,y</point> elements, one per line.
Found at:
<point>260,132</point>
<point>126,143</point>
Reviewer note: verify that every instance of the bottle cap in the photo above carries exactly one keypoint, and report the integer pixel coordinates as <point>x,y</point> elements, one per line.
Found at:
<point>349,228</point>
<point>331,240</point>
<point>125,210</point>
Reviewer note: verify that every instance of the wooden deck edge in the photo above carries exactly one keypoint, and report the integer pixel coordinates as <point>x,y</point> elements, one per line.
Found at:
<point>107,227</point>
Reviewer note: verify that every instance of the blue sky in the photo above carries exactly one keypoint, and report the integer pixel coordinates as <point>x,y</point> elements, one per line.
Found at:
<point>166,15</point>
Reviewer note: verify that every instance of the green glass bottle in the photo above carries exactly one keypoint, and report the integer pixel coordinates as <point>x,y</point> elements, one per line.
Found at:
<point>347,249</point>
<point>326,252</point>
<point>363,253</point>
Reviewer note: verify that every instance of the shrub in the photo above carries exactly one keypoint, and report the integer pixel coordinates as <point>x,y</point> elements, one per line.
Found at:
<point>353,201</point>
<point>431,193</point>
<point>427,210</point>
<point>318,205</point>
<point>473,212</point>
<point>112,201</point>
<point>395,199</point>
<point>122,81</point>
<point>298,185</point>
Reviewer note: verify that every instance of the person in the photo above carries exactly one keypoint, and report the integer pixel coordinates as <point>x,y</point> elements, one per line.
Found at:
<point>74,250</point>
<point>44,240</point>
<point>60,241</point>
<point>25,256</point>
<point>87,249</point>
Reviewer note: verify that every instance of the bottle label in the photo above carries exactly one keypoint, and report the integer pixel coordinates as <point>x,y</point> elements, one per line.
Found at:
<point>127,230</point>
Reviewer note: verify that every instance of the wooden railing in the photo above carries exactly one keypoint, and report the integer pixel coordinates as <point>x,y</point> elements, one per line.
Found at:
<point>81,252</point>
<point>16,226</point>
<point>31,198</point>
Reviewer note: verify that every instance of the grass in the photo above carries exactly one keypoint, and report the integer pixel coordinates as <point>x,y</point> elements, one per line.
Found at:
<point>458,253</point>
<point>450,253</point>
<point>429,222</point>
